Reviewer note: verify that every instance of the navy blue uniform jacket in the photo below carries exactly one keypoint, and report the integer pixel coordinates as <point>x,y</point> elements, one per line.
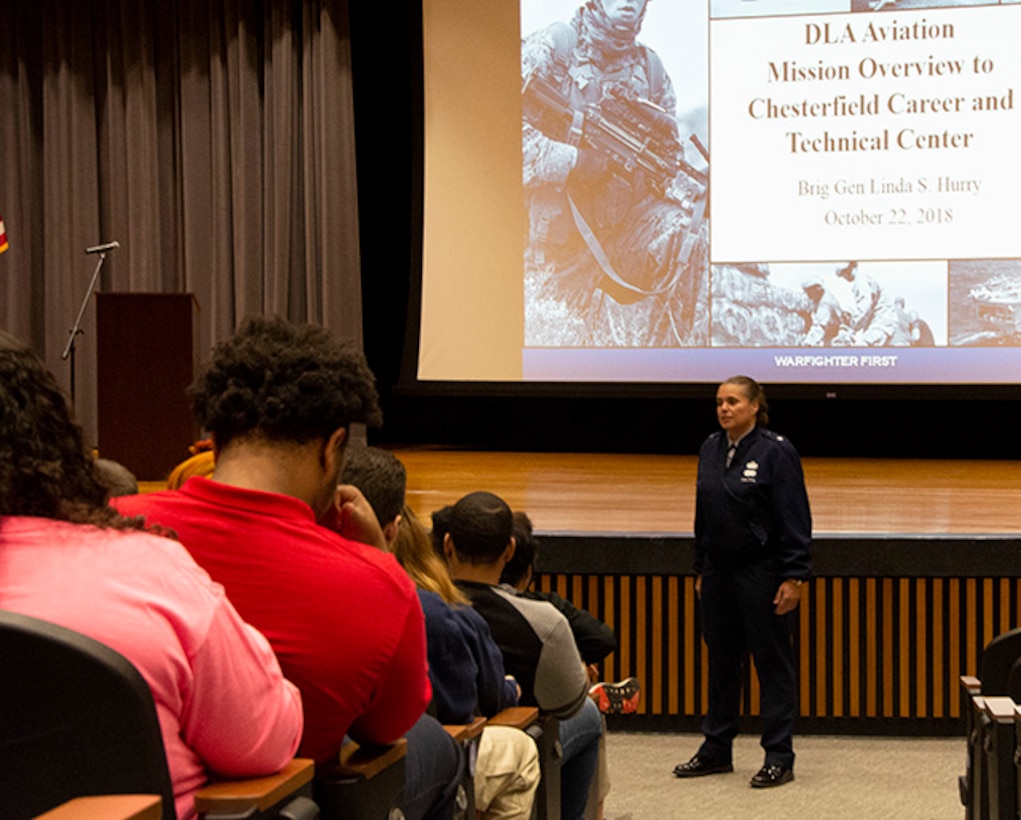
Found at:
<point>757,509</point>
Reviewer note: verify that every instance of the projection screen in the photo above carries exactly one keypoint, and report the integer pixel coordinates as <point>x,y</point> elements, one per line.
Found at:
<point>809,191</point>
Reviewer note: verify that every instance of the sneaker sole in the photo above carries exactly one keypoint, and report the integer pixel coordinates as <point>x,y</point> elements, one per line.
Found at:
<point>619,698</point>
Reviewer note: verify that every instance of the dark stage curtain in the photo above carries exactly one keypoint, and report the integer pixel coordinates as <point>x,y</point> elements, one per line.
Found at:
<point>213,139</point>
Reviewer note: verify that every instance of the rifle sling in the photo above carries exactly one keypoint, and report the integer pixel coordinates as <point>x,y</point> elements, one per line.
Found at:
<point>597,250</point>
<point>604,261</point>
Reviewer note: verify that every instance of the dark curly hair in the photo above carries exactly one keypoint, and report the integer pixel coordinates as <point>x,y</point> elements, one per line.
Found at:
<point>45,469</point>
<point>283,382</point>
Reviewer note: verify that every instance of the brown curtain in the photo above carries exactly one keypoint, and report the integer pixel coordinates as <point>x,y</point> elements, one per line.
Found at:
<point>212,138</point>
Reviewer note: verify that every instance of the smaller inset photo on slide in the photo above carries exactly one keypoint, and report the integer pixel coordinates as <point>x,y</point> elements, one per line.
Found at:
<point>829,304</point>
<point>985,303</point>
<point>900,5</point>
<point>768,8</point>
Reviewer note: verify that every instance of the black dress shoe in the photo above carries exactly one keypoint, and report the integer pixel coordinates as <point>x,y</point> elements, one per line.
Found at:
<point>699,766</point>
<point>769,776</point>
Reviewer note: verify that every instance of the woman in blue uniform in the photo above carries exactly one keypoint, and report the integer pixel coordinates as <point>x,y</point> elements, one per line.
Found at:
<point>753,528</point>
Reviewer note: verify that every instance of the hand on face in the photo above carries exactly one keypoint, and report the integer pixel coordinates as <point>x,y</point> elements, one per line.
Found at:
<point>352,517</point>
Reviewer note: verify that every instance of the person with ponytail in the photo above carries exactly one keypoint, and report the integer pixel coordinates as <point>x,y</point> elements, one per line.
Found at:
<point>753,528</point>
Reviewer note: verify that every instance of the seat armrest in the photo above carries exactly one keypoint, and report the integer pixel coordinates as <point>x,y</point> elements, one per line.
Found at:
<point>463,732</point>
<point>1001,709</point>
<point>517,717</point>
<point>108,807</point>
<point>971,685</point>
<point>256,793</point>
<point>368,761</point>
<point>366,781</point>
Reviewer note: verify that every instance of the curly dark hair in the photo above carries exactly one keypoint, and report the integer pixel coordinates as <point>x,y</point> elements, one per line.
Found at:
<point>45,469</point>
<point>283,382</point>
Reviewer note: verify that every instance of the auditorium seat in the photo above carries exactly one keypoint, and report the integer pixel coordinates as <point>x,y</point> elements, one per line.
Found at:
<point>986,703</point>
<point>1000,666</point>
<point>998,748</point>
<point>108,807</point>
<point>972,783</point>
<point>468,735</point>
<point>366,784</point>
<point>79,720</point>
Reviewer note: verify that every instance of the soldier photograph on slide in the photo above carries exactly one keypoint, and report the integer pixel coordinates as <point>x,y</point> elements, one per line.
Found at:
<point>615,180</point>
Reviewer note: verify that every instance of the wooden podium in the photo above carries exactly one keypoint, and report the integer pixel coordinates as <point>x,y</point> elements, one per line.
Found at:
<point>145,355</point>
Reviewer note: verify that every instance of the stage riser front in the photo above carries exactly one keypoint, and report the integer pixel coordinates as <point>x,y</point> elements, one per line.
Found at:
<point>875,655</point>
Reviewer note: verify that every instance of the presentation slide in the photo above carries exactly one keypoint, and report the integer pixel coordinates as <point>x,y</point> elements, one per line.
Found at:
<point>806,191</point>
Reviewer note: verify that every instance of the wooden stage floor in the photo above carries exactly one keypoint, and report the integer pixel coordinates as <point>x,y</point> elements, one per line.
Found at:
<point>590,492</point>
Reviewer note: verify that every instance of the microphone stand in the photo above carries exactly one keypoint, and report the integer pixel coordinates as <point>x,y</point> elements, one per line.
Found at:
<point>77,328</point>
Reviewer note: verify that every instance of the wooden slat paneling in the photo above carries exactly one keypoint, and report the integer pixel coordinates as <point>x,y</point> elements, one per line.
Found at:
<point>869,648</point>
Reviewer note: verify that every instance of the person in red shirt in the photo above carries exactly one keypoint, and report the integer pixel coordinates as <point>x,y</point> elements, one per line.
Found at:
<point>299,556</point>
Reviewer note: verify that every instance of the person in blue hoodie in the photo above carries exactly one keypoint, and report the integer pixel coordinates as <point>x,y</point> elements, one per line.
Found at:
<point>753,528</point>
<point>466,667</point>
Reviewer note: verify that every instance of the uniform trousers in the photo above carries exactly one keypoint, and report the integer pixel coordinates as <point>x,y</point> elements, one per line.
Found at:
<point>738,616</point>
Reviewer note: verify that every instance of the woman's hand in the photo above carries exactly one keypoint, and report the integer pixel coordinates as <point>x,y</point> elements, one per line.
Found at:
<point>787,597</point>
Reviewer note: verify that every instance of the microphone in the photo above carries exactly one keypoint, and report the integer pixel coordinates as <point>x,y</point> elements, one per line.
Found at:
<point>108,246</point>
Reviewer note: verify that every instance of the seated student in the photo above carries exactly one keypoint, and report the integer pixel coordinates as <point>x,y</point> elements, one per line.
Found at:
<point>117,478</point>
<point>200,463</point>
<point>302,558</point>
<point>382,479</point>
<point>536,641</point>
<point>465,665</point>
<point>467,672</point>
<point>67,558</point>
<point>595,639</point>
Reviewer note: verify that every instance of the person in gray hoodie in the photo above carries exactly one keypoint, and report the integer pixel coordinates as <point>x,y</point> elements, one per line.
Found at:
<point>536,639</point>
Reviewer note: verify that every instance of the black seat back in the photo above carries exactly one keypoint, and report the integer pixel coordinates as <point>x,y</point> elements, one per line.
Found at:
<point>76,719</point>
<point>998,660</point>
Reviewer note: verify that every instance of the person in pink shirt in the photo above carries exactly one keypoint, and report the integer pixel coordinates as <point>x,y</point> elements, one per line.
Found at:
<point>223,704</point>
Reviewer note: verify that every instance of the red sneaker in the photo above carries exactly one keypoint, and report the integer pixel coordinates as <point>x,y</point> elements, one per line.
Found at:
<point>619,698</point>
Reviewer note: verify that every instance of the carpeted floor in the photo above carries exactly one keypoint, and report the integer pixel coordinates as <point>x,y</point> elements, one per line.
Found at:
<point>837,778</point>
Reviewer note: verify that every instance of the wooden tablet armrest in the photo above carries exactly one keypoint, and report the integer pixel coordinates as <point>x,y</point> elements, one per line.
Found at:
<point>517,717</point>
<point>239,796</point>
<point>108,807</point>
<point>462,732</point>
<point>358,761</point>
<point>1000,709</point>
<point>971,685</point>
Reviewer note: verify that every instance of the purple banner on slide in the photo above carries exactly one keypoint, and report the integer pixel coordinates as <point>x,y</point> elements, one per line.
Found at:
<point>849,365</point>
